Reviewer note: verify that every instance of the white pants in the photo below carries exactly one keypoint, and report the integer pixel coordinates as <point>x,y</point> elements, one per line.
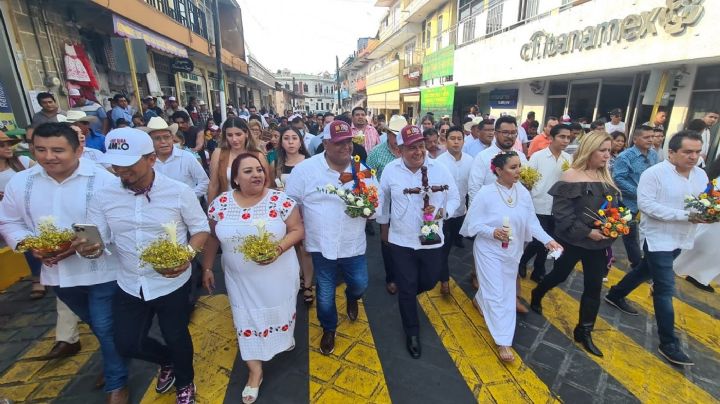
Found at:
<point>66,329</point>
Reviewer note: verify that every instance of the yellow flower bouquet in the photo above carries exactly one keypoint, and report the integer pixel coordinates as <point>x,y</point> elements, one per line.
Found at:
<point>165,254</point>
<point>359,138</point>
<point>259,248</point>
<point>50,239</point>
<point>529,176</point>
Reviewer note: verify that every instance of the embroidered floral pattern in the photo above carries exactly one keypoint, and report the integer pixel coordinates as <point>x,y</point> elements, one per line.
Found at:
<point>278,205</point>
<point>248,333</point>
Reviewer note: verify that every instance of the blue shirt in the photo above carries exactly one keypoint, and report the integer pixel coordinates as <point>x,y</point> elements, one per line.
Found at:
<point>118,113</point>
<point>95,140</point>
<point>626,173</point>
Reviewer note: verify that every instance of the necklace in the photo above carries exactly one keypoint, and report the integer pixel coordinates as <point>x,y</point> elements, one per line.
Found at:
<point>507,198</point>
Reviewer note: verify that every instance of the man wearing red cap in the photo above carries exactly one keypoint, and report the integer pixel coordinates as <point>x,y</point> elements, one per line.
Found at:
<point>335,240</point>
<point>421,192</point>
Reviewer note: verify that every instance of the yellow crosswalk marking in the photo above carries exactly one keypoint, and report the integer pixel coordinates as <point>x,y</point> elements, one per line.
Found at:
<point>642,373</point>
<point>712,300</point>
<point>352,373</point>
<point>468,341</point>
<point>215,345</point>
<point>30,379</point>
<point>697,324</point>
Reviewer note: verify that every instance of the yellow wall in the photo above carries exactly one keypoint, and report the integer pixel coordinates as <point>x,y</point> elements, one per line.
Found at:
<point>448,19</point>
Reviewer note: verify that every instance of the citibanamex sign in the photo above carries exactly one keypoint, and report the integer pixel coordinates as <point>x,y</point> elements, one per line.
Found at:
<point>673,19</point>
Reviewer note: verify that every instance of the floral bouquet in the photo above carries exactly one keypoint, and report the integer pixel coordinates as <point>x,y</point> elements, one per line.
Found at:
<point>612,222</point>
<point>49,241</point>
<point>429,231</point>
<point>361,200</point>
<point>529,176</point>
<point>165,254</point>
<point>565,165</point>
<point>359,138</point>
<point>259,248</point>
<point>706,205</point>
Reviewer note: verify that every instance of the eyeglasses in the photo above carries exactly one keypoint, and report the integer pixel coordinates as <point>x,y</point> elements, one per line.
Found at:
<point>5,144</point>
<point>507,132</point>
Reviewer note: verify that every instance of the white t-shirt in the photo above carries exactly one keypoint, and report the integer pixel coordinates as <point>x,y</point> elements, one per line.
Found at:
<point>611,127</point>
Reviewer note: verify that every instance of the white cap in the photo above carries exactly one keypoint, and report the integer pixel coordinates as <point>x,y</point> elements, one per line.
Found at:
<point>74,92</point>
<point>125,146</point>
<point>171,98</point>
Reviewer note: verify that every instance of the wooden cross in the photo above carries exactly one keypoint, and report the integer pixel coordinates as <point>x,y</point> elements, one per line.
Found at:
<point>348,177</point>
<point>425,190</point>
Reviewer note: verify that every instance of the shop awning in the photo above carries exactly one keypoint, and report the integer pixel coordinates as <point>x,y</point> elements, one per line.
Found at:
<point>411,97</point>
<point>131,30</point>
<point>389,100</point>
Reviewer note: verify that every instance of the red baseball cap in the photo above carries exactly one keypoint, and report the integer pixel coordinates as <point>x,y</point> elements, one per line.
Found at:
<point>339,131</point>
<point>409,135</point>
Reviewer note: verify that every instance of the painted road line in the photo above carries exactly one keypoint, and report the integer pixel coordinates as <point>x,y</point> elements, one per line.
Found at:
<point>352,373</point>
<point>30,379</point>
<point>642,373</point>
<point>711,300</point>
<point>698,325</point>
<point>468,341</point>
<point>215,345</point>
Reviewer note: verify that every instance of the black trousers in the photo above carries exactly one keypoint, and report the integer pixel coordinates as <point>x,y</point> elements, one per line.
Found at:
<point>451,232</point>
<point>594,265</point>
<point>133,317</point>
<point>537,249</point>
<point>387,262</point>
<point>416,271</point>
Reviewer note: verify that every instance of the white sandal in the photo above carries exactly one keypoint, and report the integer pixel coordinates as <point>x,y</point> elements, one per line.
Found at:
<point>251,392</point>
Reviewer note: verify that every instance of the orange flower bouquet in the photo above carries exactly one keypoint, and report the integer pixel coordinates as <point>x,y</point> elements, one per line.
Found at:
<point>612,221</point>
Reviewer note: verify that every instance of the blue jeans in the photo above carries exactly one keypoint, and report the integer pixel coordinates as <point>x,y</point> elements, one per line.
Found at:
<point>658,266</point>
<point>354,271</point>
<point>93,304</point>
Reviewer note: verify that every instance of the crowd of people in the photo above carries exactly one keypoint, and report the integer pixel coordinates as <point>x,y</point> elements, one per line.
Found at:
<point>431,186</point>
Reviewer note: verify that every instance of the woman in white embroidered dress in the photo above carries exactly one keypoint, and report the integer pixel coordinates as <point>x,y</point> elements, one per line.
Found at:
<point>262,296</point>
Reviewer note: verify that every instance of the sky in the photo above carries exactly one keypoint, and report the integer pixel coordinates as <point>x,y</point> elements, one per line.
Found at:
<point>306,35</point>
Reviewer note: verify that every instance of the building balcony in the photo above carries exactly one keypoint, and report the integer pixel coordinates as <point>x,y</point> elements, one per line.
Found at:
<point>418,10</point>
<point>184,12</point>
<point>477,21</point>
<point>393,37</point>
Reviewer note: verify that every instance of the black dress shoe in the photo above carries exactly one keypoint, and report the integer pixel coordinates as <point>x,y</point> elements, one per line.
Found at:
<point>621,304</point>
<point>583,335</point>
<point>413,346</point>
<point>536,302</point>
<point>352,310</point>
<point>62,349</point>
<point>538,278</point>
<point>327,342</point>
<point>699,285</point>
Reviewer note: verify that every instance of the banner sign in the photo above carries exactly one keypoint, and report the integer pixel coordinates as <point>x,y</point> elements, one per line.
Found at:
<point>439,64</point>
<point>503,99</point>
<point>438,100</point>
<point>131,30</point>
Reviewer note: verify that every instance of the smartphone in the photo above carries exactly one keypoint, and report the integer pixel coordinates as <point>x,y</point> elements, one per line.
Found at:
<point>89,232</point>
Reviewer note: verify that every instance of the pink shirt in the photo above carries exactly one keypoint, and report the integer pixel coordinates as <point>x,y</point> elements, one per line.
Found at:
<point>372,138</point>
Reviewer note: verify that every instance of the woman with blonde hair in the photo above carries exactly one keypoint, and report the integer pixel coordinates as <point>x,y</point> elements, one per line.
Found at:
<point>235,140</point>
<point>256,133</point>
<point>577,197</point>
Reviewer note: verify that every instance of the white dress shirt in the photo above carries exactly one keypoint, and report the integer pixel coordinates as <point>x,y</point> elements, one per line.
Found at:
<point>328,229</point>
<point>95,156</point>
<point>473,146</point>
<point>480,173</point>
<point>460,171</point>
<point>550,170</point>
<point>183,166</point>
<point>405,217</point>
<point>32,194</point>
<point>661,199</point>
<point>131,222</point>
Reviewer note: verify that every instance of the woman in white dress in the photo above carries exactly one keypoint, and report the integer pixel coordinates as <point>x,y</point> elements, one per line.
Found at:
<point>699,264</point>
<point>262,296</point>
<point>500,235</point>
